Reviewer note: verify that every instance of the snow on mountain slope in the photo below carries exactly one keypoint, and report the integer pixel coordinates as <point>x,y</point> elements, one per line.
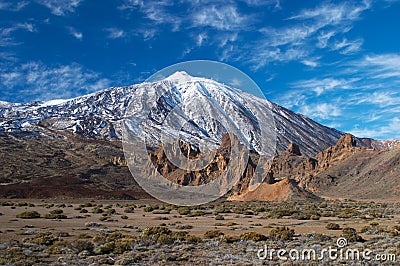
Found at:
<point>100,115</point>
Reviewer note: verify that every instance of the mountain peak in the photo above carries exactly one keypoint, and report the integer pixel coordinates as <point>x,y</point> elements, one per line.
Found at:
<point>179,75</point>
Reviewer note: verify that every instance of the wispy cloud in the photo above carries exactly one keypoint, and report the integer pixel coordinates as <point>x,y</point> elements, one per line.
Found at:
<point>6,33</point>
<point>363,95</point>
<point>76,34</point>
<point>322,27</point>
<point>321,110</point>
<point>309,63</point>
<point>378,131</point>
<point>319,86</point>
<point>220,18</point>
<point>347,47</point>
<point>381,66</point>
<point>115,33</point>
<point>60,8</point>
<point>37,81</point>
<point>13,6</point>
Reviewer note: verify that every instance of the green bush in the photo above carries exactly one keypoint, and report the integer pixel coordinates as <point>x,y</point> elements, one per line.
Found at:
<point>29,215</point>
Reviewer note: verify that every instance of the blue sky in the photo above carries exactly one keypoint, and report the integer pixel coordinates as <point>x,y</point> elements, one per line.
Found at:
<point>337,62</point>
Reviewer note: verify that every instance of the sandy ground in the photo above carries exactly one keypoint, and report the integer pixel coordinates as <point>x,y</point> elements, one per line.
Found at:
<point>76,223</point>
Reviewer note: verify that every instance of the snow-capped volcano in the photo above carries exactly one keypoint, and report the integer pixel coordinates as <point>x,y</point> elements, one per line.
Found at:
<point>205,105</point>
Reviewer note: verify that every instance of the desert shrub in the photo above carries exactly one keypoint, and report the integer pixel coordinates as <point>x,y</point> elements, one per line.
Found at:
<point>351,235</point>
<point>248,212</point>
<point>62,234</point>
<point>28,215</point>
<point>55,216</point>
<point>332,226</point>
<point>161,211</point>
<point>129,209</point>
<point>374,224</point>
<point>314,217</point>
<point>42,238</point>
<point>17,256</point>
<point>348,213</point>
<point>183,210</point>
<point>123,244</point>
<point>365,229</point>
<point>155,231</point>
<point>259,209</point>
<point>97,210</point>
<point>323,205</point>
<point>93,224</point>
<point>56,211</point>
<point>21,204</point>
<point>148,209</point>
<point>165,239</point>
<point>180,235</point>
<point>197,213</point>
<point>184,227</point>
<point>193,239</point>
<point>254,236</point>
<point>105,248</point>
<point>222,209</point>
<point>124,217</point>
<point>230,239</point>
<point>7,203</point>
<point>279,213</point>
<point>83,211</point>
<point>281,233</point>
<point>213,234</point>
<point>80,245</point>
<point>219,217</point>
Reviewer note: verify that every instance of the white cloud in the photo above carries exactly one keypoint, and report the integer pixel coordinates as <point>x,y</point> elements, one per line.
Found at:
<point>6,34</point>
<point>76,34</point>
<point>310,63</point>
<point>381,66</point>
<point>380,98</point>
<point>60,7</point>
<point>333,14</point>
<point>115,33</point>
<point>156,11</point>
<point>201,37</point>
<point>320,86</point>
<point>220,18</point>
<point>321,110</point>
<point>13,6</point>
<point>379,131</point>
<point>37,81</point>
<point>306,31</point>
<point>348,47</point>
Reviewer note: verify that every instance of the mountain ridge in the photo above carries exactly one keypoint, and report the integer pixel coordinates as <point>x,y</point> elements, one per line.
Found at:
<point>99,115</point>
